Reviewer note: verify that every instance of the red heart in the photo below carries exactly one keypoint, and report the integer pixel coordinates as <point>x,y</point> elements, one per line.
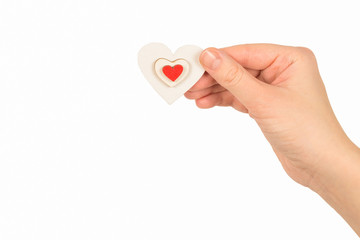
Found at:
<point>172,72</point>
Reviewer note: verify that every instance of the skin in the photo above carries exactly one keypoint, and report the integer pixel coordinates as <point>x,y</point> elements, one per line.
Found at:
<point>281,89</point>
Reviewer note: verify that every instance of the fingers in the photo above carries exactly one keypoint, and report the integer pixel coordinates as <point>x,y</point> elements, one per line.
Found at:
<point>224,98</point>
<point>205,81</point>
<point>232,76</point>
<point>204,92</point>
<point>217,99</point>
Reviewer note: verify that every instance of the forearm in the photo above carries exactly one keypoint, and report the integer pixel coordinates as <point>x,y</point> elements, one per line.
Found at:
<point>338,183</point>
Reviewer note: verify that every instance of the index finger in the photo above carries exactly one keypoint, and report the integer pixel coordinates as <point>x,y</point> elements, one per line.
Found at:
<point>259,56</point>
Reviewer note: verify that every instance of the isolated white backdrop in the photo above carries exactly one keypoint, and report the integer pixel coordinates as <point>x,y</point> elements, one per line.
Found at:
<point>89,151</point>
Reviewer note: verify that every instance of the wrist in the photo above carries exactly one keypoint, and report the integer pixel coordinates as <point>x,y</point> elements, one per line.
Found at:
<point>339,164</point>
<point>338,182</point>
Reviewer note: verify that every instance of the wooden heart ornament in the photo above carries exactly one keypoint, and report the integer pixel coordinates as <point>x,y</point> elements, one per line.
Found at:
<point>171,75</point>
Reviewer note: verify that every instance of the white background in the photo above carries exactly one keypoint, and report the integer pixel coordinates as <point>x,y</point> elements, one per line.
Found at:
<point>89,151</point>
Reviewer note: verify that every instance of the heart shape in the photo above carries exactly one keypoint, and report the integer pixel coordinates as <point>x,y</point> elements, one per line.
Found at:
<point>160,67</point>
<point>174,72</point>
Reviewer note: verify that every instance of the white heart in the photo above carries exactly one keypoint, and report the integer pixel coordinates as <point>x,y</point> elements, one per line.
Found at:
<point>168,90</point>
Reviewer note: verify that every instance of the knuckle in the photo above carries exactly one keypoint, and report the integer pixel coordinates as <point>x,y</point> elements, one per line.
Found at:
<point>233,76</point>
<point>305,52</point>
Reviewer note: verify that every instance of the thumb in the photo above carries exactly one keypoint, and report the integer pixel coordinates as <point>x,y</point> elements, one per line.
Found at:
<point>232,76</point>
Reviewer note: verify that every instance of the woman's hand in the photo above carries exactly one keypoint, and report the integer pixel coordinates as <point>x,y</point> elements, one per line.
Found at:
<point>281,89</point>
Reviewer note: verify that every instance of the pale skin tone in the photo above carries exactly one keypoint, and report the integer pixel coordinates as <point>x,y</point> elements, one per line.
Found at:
<point>281,89</point>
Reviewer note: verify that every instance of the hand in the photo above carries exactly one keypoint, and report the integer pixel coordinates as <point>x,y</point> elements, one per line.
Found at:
<point>281,89</point>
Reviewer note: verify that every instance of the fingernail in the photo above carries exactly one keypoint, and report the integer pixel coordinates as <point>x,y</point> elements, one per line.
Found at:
<point>211,59</point>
